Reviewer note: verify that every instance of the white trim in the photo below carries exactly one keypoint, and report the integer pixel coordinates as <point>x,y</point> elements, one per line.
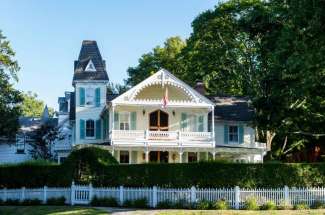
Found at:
<point>196,99</point>
<point>90,67</point>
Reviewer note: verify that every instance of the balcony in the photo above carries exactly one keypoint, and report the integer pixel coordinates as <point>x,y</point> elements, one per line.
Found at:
<point>166,138</point>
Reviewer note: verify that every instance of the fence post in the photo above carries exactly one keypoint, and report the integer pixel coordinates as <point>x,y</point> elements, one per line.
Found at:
<point>90,192</point>
<point>5,194</point>
<point>72,193</point>
<point>45,194</point>
<point>237,197</point>
<point>154,196</point>
<point>22,194</point>
<point>121,195</point>
<point>193,194</point>
<point>286,194</point>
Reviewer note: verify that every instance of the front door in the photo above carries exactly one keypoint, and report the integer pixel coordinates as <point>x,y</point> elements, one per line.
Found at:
<point>158,121</point>
<point>158,157</point>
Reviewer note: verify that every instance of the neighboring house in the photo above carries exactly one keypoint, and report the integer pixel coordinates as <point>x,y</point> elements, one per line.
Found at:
<point>162,119</point>
<point>18,149</point>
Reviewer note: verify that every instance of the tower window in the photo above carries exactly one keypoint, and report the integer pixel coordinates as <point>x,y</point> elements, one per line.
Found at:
<point>90,128</point>
<point>90,96</point>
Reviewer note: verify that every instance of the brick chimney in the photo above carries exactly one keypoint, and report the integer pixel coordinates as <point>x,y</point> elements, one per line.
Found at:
<point>199,87</point>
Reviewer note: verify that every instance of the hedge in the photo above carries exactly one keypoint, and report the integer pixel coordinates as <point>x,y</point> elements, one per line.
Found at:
<point>206,174</point>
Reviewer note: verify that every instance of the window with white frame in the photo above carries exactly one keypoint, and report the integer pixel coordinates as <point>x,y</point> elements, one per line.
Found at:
<point>195,122</point>
<point>233,133</point>
<point>90,128</point>
<point>124,121</point>
<point>90,96</point>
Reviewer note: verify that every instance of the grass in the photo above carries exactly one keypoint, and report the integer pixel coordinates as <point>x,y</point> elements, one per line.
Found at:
<point>242,212</point>
<point>49,210</point>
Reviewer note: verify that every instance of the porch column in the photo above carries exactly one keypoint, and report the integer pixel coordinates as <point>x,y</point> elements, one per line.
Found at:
<point>113,120</point>
<point>181,157</point>
<point>147,155</point>
<point>130,157</point>
<point>212,128</point>
<point>214,155</point>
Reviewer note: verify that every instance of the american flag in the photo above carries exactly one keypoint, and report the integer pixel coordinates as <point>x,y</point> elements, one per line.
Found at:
<point>165,98</point>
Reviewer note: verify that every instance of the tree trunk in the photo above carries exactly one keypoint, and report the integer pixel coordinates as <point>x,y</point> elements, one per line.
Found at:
<point>269,138</point>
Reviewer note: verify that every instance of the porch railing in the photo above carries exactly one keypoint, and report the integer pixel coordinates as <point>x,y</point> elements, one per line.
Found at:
<point>142,135</point>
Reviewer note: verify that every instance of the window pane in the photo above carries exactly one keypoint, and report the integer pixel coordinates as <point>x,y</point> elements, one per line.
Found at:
<point>90,94</point>
<point>90,128</point>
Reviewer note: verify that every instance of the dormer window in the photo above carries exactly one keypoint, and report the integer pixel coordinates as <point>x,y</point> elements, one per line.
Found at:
<point>90,67</point>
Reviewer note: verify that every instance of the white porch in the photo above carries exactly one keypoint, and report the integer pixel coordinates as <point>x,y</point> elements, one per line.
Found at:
<point>139,118</point>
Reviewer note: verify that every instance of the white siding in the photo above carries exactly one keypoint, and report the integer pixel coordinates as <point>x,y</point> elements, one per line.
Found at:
<point>8,154</point>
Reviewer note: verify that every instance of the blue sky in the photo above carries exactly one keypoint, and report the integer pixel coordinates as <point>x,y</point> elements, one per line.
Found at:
<point>47,35</point>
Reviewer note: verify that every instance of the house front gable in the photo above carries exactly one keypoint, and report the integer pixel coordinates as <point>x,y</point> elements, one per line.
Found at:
<point>162,84</point>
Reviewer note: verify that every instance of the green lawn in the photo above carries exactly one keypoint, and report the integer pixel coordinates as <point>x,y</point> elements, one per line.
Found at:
<point>49,210</point>
<point>242,212</point>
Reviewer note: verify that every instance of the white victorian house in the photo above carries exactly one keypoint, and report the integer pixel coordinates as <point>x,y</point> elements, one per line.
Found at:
<point>162,119</point>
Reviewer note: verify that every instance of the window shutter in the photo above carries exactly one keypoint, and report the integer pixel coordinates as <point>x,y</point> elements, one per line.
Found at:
<point>116,126</point>
<point>241,134</point>
<point>98,129</point>
<point>81,96</point>
<point>226,134</point>
<point>82,129</point>
<point>133,120</point>
<point>97,97</point>
<point>183,121</point>
<point>201,123</point>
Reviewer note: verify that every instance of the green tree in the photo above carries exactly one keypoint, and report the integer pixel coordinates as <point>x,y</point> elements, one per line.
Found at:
<point>160,57</point>
<point>32,106</point>
<point>10,99</point>
<point>44,139</point>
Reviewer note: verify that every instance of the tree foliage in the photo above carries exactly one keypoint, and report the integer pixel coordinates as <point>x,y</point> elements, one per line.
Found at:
<point>44,137</point>
<point>160,57</point>
<point>32,106</point>
<point>271,51</point>
<point>10,99</point>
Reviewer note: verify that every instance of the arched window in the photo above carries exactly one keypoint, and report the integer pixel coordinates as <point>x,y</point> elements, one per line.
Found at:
<point>90,128</point>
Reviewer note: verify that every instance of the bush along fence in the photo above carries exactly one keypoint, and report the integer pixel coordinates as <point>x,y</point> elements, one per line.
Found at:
<point>165,197</point>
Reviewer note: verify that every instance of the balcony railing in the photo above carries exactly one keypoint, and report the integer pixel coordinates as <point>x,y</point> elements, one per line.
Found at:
<point>146,135</point>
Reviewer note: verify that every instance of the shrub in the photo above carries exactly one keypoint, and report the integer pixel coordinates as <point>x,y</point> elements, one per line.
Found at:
<point>269,205</point>
<point>102,174</point>
<point>204,205</point>
<point>181,204</point>
<point>31,202</point>
<point>56,201</point>
<point>128,203</point>
<point>167,204</point>
<point>106,201</point>
<point>140,203</point>
<point>221,204</point>
<point>251,204</point>
<point>84,164</point>
<point>12,202</point>
<point>284,205</point>
<point>318,204</point>
<point>301,206</point>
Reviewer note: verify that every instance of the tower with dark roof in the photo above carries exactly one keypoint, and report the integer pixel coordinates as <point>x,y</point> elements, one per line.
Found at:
<point>90,81</point>
<point>90,66</point>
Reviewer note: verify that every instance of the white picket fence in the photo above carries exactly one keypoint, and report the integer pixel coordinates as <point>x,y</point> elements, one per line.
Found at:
<point>82,195</point>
